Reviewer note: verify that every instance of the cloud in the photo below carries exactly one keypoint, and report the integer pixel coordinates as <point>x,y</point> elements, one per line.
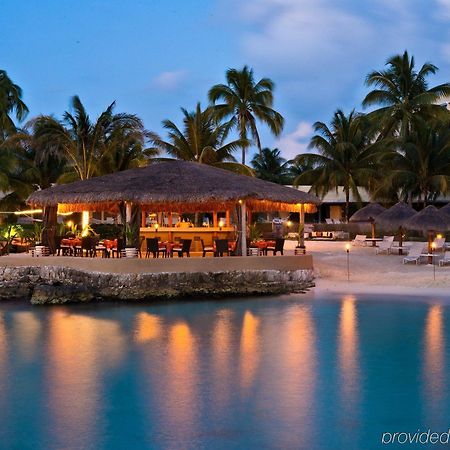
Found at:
<point>170,81</point>
<point>444,8</point>
<point>295,142</point>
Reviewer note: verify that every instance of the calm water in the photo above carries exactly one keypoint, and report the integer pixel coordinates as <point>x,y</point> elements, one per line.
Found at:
<point>267,373</point>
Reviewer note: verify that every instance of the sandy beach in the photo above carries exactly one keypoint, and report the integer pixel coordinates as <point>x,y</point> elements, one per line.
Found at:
<point>373,274</point>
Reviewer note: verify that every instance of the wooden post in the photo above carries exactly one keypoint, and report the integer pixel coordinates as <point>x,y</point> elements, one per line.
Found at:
<point>243,229</point>
<point>169,224</point>
<point>301,230</point>
<point>143,219</point>
<point>215,219</point>
<point>227,218</point>
<point>127,212</point>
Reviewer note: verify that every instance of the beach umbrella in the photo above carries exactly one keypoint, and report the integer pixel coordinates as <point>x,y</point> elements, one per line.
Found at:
<point>368,214</point>
<point>445,209</point>
<point>429,220</point>
<point>395,217</point>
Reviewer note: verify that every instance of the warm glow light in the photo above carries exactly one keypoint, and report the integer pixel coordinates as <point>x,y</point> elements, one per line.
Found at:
<point>84,219</point>
<point>28,211</point>
<point>289,224</point>
<point>69,224</point>
<point>65,213</point>
<point>240,202</point>
<point>439,236</point>
<point>156,226</point>
<point>347,247</point>
<point>433,245</point>
<point>221,223</point>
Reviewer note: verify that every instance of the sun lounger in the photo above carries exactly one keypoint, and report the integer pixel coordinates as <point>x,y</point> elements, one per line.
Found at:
<point>385,245</point>
<point>445,259</point>
<point>360,239</point>
<point>415,253</point>
<point>329,221</point>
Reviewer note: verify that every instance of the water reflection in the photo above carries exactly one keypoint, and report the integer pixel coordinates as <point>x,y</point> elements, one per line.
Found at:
<point>180,398</point>
<point>80,349</point>
<point>348,352</point>
<point>249,349</point>
<point>434,358</point>
<point>294,378</point>
<point>222,357</point>
<point>27,328</point>
<point>148,327</point>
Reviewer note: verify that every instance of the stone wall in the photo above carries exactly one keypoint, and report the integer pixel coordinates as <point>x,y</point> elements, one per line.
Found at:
<point>58,285</point>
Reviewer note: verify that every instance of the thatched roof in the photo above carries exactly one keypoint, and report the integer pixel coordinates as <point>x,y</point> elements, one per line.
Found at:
<point>367,214</point>
<point>430,218</point>
<point>445,209</point>
<point>395,216</point>
<point>173,185</point>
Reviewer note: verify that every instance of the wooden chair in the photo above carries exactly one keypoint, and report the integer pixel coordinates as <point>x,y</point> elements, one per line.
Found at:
<point>206,248</point>
<point>141,244</point>
<point>222,247</point>
<point>154,249</point>
<point>118,250</point>
<point>185,248</point>
<point>278,247</point>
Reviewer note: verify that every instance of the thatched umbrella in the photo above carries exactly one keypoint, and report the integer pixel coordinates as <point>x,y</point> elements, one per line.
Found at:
<point>395,217</point>
<point>429,220</point>
<point>175,186</point>
<point>445,209</point>
<point>368,214</point>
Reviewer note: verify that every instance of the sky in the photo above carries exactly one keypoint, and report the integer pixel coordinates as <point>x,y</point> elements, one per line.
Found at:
<point>155,56</point>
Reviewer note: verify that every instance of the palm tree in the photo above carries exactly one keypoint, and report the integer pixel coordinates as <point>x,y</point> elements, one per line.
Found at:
<point>10,104</point>
<point>402,93</point>
<point>90,148</point>
<point>244,102</point>
<point>201,139</point>
<point>347,156</point>
<point>271,166</point>
<point>421,168</point>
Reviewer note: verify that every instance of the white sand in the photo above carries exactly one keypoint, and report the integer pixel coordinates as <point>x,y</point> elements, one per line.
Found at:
<point>371,273</point>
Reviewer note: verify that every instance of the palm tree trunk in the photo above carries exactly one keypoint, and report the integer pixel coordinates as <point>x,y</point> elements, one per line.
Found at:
<point>243,155</point>
<point>347,203</point>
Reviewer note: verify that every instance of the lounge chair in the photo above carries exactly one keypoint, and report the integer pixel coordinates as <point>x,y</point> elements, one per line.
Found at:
<point>385,245</point>
<point>329,221</point>
<point>3,247</point>
<point>360,239</point>
<point>415,253</point>
<point>445,259</point>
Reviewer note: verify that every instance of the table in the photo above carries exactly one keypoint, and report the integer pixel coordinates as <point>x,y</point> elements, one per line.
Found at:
<point>373,240</point>
<point>399,248</point>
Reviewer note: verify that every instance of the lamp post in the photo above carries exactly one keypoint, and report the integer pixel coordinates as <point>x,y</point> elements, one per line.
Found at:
<point>221,224</point>
<point>156,227</point>
<point>347,249</point>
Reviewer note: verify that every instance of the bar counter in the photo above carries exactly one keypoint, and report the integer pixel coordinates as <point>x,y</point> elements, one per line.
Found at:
<point>196,234</point>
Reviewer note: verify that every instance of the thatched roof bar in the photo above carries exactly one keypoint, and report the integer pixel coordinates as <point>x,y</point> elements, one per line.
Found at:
<point>187,184</point>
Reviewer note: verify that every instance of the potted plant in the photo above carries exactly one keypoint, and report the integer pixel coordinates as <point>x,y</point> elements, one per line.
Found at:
<point>130,247</point>
<point>37,233</point>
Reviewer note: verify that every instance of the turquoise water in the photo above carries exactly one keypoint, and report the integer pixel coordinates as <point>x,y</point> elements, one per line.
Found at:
<point>267,373</point>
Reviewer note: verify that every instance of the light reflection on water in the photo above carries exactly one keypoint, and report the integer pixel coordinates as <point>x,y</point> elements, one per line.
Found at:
<point>261,373</point>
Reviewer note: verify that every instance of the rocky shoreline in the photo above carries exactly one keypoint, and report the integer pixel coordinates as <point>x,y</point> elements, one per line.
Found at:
<point>59,285</point>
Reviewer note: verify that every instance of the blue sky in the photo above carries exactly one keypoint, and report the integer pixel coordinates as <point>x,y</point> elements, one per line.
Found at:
<point>154,57</point>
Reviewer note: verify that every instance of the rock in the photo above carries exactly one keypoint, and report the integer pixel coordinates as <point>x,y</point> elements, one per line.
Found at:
<point>57,285</point>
